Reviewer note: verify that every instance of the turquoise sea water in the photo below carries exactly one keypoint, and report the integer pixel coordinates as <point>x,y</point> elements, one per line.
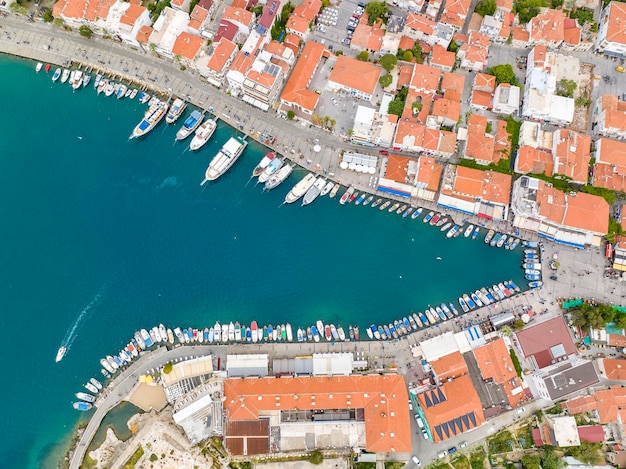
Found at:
<point>101,236</point>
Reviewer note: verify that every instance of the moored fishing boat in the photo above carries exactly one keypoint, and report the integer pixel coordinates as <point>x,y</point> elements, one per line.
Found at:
<point>489,236</point>
<point>56,75</point>
<point>469,301</point>
<point>453,231</point>
<point>394,207</point>
<point>377,202</point>
<point>264,163</point>
<point>300,189</point>
<point>190,125</point>
<point>353,197</point>
<point>360,199</point>
<point>535,284</point>
<point>225,158</point>
<point>341,334</point>
<point>445,227</point>
<point>407,212</point>
<point>82,406</point>
<point>203,134</point>
<point>476,233</point>
<point>83,396</point>
<point>501,241</point>
<point>176,110</point>
<point>327,188</point>
<point>476,300</point>
<point>133,93</point>
<point>38,67</point>
<point>91,388</point>
<point>289,332</point>
<point>402,209</point>
<point>463,304</point>
<point>434,219</point>
<point>367,201</point>
<point>315,334</point>
<point>417,213</point>
<point>313,191</point>
<point>495,240</point>
<point>153,116</point>
<point>86,79</point>
<point>327,333</point>
<point>441,221</point>
<point>468,231</point>
<point>346,195</point>
<point>385,204</point>
<point>429,217</point>
<point>333,192</point>
<point>301,335</point>
<point>278,177</point>
<point>270,169</point>
<point>65,75</point>
<point>254,329</point>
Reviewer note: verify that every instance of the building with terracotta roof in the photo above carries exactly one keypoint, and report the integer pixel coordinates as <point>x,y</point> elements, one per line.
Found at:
<point>425,78</point>
<point>198,19</point>
<point>475,54</point>
<point>544,70</point>
<point>547,29</point>
<point>182,5</point>
<point>613,369</point>
<point>296,94</point>
<point>368,412</point>
<point>444,113</point>
<point>482,146</point>
<point>366,37</point>
<point>301,18</point>
<point>482,193</point>
<point>576,218</point>
<point>609,171</point>
<point>188,47</point>
<point>170,24</point>
<point>519,37</point>
<point>411,177</point>
<point>452,85</point>
<point>532,160</point>
<point>373,128</point>
<point>610,120</point>
<point>482,91</point>
<point>611,37</point>
<point>76,13</point>
<point>241,18</point>
<point>455,13</point>
<point>449,367</point>
<point>495,364</point>
<point>419,27</point>
<point>416,137</point>
<point>125,20</point>
<point>506,99</point>
<point>442,58</point>
<point>354,77</point>
<point>450,409</point>
<point>572,154</point>
<point>220,55</point>
<point>546,343</point>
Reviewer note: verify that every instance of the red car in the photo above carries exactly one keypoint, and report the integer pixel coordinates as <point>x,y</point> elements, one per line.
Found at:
<point>383,152</point>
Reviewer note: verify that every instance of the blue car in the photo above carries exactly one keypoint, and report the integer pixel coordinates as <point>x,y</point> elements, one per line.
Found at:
<point>452,450</point>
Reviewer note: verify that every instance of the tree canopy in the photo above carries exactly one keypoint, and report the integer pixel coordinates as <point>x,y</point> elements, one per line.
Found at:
<point>527,9</point>
<point>566,88</point>
<point>385,80</point>
<point>376,10</point>
<point>396,107</point>
<point>388,61</point>
<point>531,461</point>
<point>597,317</point>
<point>363,56</point>
<point>504,73</point>
<point>485,7</point>
<point>588,453</point>
<point>85,31</point>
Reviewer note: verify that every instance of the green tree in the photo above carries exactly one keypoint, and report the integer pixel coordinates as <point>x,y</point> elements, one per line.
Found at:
<point>582,101</point>
<point>583,15</point>
<point>453,46</point>
<point>505,331</point>
<point>416,106</point>
<point>556,4</point>
<point>396,107</point>
<point>407,55</point>
<point>485,7</point>
<point>291,115</point>
<point>84,31</point>
<point>518,325</point>
<point>167,368</point>
<point>385,80</point>
<point>531,461</point>
<point>504,73</point>
<point>363,56</point>
<point>417,52</point>
<point>47,16</point>
<point>566,88</point>
<point>154,457</point>
<point>316,457</point>
<point>516,363</point>
<point>588,453</point>
<point>527,9</point>
<point>376,10</point>
<point>551,460</point>
<point>388,62</point>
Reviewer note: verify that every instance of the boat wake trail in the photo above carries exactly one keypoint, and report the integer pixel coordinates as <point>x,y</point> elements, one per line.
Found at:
<point>72,331</point>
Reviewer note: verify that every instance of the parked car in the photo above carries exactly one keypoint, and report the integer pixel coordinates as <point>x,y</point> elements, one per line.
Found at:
<point>452,450</point>
<point>361,4</point>
<point>345,41</point>
<point>521,410</point>
<point>442,454</point>
<point>620,69</point>
<point>416,461</point>
<point>463,444</point>
<point>334,101</point>
<point>425,434</point>
<point>419,421</point>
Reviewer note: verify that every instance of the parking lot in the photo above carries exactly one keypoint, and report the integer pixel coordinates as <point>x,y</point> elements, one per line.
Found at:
<point>332,26</point>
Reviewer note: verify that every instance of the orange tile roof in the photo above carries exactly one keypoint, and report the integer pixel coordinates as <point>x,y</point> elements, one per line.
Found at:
<point>197,17</point>
<point>455,12</point>
<point>609,402</point>
<point>470,184</point>
<point>222,53</point>
<point>397,167</point>
<point>495,363</point>
<point>479,145</point>
<point>447,142</point>
<point>460,404</point>
<point>460,39</point>
<point>475,54</point>
<point>405,72</point>
<point>308,9</point>
<point>614,113</point>
<point>485,82</point>
<point>583,211</point>
<point>502,149</point>
<point>578,405</point>
<point>296,89</point>
<point>187,45</point>
<point>59,7</point>
<point>535,161</point>
<point>481,99</point>
<point>610,168</point>
<point>239,4</point>
<point>423,137</point>
<point>506,5</point>
<point>242,62</point>
<point>571,32</point>
<point>355,74</point>
<point>572,151</point>
<point>298,23</point>
<point>478,39</point>
<point>429,173</point>
<point>238,15</point>
<point>425,77</point>
<point>520,34</point>
<point>375,41</point>
<point>420,23</point>
<point>383,398</point>
<point>144,33</point>
<point>616,340</point>
<point>406,43</point>
<point>441,57</point>
<point>413,96</point>
<point>447,109</point>
<point>614,369</point>
<point>452,85</point>
<point>505,30</point>
<point>450,366</point>
<point>547,27</point>
<point>98,9</point>
<point>132,14</point>
<point>616,20</point>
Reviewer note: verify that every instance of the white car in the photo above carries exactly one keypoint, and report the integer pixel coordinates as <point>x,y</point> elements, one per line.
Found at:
<point>521,410</point>
<point>416,461</point>
<point>442,454</point>
<point>334,101</point>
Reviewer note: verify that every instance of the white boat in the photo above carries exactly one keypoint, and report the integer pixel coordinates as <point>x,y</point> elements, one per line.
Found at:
<point>217,332</point>
<point>300,189</point>
<point>153,116</point>
<point>91,388</point>
<point>133,93</point>
<point>56,75</point>
<point>144,97</point>
<point>346,195</point>
<point>178,106</point>
<point>121,91</point>
<point>78,80</point>
<point>203,134</point>
<point>97,81</point>
<point>231,331</point>
<point>225,158</point>
<point>278,177</point>
<point>38,67</point>
<point>190,125</point>
<point>65,75</point>
<point>342,334</point>
<point>61,353</point>
<point>83,396</point>
<point>314,191</point>
<point>109,89</point>
<point>102,85</point>
<point>468,231</point>
<point>225,333</point>
<point>271,168</point>
<point>265,161</point>
<point>289,332</point>
<point>327,188</point>
<point>334,191</point>
<point>96,383</point>
<point>163,333</point>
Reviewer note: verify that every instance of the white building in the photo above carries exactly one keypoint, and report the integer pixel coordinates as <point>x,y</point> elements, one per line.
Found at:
<point>611,37</point>
<point>506,99</point>
<point>167,28</point>
<point>372,128</point>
